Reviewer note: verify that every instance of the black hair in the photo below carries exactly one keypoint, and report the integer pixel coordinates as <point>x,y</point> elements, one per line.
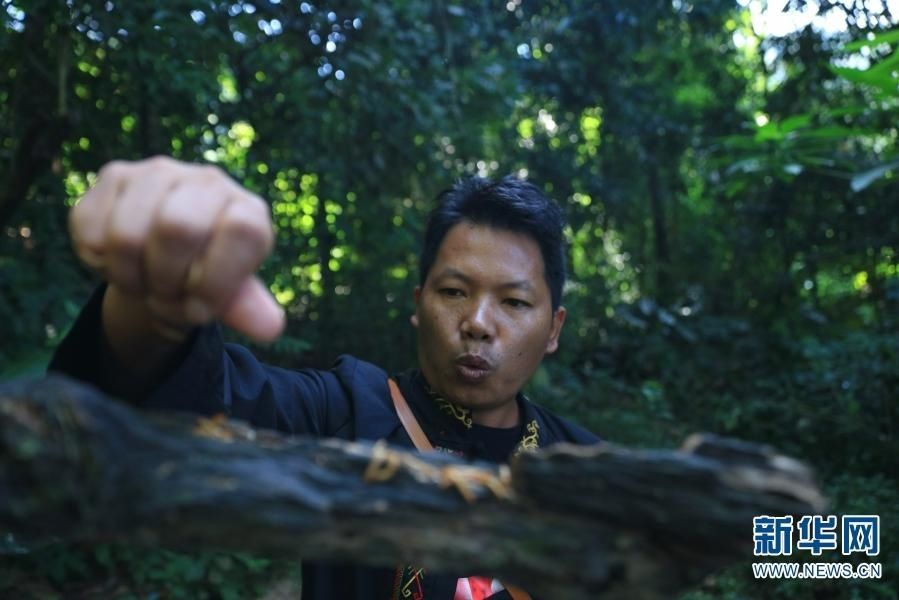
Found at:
<point>510,204</point>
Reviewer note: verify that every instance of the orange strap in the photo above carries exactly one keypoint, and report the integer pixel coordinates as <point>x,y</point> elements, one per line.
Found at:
<point>410,423</point>
<point>517,593</point>
<point>421,441</point>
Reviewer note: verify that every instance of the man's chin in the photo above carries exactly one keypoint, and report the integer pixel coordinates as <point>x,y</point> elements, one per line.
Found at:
<point>471,397</point>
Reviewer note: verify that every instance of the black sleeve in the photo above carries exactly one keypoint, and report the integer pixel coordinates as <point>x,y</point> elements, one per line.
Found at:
<point>209,377</point>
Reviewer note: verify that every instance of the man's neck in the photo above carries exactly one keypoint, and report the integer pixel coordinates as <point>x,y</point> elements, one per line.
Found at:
<point>502,417</point>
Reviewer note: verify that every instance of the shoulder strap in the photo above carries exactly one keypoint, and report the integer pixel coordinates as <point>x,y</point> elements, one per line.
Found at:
<point>410,423</point>
<point>423,444</point>
<point>516,592</point>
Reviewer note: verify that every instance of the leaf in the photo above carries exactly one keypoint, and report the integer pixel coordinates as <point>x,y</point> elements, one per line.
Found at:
<point>740,142</point>
<point>834,132</point>
<point>866,178</point>
<point>879,75</point>
<point>853,75</point>
<point>747,165</point>
<point>884,70</point>
<point>820,162</point>
<point>845,111</point>
<point>887,37</point>
<point>795,122</point>
<point>768,132</point>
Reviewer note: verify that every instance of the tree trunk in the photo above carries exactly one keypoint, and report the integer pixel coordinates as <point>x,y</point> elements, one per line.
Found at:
<point>568,522</point>
<point>45,118</point>
<point>660,232</point>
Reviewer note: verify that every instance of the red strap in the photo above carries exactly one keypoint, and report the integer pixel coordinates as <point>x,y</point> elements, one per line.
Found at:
<point>421,441</point>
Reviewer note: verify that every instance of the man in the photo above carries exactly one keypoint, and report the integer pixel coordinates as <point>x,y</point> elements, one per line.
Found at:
<point>178,246</point>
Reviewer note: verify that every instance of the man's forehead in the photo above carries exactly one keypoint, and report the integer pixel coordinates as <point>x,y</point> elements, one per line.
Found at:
<point>454,273</point>
<point>468,249</point>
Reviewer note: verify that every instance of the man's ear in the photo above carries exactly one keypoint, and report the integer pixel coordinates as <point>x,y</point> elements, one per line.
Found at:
<point>552,344</point>
<point>416,293</point>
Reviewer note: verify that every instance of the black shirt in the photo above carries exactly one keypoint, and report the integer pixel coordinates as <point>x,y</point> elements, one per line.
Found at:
<point>350,401</point>
<point>495,444</point>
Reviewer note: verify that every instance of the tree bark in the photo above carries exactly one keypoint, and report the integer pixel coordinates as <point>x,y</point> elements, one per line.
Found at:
<point>567,522</point>
<point>45,123</point>
<point>659,230</point>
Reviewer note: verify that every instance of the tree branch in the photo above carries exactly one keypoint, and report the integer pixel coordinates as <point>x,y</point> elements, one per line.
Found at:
<point>566,522</point>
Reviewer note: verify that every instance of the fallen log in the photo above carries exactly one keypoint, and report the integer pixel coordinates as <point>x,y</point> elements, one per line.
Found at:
<point>567,522</point>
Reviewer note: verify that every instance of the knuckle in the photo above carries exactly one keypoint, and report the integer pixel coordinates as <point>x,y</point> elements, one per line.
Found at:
<point>241,229</point>
<point>255,206</point>
<point>83,251</point>
<point>121,242</point>
<point>260,214</point>
<point>113,169</point>
<point>171,230</point>
<point>252,238</point>
<point>82,222</point>
<point>158,161</point>
<point>212,172</point>
<point>260,206</point>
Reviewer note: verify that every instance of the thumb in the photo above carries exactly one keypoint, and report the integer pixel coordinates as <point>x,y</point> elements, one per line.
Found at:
<point>255,312</point>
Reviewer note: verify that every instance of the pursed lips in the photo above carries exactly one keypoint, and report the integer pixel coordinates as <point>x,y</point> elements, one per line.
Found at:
<point>472,367</point>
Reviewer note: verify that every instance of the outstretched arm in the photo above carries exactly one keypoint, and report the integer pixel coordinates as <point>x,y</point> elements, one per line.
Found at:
<point>179,245</point>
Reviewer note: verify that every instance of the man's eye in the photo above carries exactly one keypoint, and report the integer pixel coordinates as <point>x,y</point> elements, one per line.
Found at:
<point>517,303</point>
<point>452,292</point>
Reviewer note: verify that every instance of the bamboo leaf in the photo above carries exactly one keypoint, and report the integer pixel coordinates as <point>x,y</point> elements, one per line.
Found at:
<point>887,37</point>
<point>866,178</point>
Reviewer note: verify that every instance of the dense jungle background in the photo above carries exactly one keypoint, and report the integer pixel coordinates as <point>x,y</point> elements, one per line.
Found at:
<point>728,170</point>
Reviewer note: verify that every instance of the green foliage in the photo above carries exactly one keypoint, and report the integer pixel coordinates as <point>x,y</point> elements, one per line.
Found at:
<point>849,494</point>
<point>834,408</point>
<point>116,571</point>
<point>731,200</point>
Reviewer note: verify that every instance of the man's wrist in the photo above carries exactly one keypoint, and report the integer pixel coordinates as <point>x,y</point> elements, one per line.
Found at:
<point>138,341</point>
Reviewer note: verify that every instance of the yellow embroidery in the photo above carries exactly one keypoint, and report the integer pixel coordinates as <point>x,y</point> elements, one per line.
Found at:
<point>532,440</point>
<point>407,593</point>
<point>408,583</point>
<point>463,415</point>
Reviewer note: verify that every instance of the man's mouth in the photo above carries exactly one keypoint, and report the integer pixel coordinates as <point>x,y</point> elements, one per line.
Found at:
<point>472,368</point>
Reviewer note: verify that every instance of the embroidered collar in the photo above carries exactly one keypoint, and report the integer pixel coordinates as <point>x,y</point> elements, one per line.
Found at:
<point>459,413</point>
<point>530,440</point>
<point>448,424</point>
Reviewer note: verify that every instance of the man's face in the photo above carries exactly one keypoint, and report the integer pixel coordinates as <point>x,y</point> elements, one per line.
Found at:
<point>484,317</point>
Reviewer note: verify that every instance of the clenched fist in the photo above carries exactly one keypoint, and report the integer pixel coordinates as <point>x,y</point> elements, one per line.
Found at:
<point>179,245</point>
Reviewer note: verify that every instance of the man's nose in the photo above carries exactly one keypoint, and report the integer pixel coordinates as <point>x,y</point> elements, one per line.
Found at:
<point>479,323</point>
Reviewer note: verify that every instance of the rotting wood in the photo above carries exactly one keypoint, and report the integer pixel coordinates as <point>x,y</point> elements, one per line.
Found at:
<point>566,522</point>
